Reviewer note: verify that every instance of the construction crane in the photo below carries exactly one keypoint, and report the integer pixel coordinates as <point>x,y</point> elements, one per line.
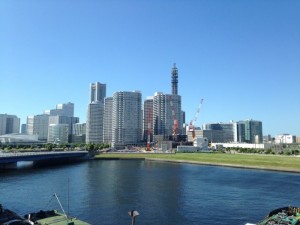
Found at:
<point>175,121</point>
<point>193,121</point>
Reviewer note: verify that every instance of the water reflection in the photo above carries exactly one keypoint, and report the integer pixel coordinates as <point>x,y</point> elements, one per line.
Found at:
<point>102,192</point>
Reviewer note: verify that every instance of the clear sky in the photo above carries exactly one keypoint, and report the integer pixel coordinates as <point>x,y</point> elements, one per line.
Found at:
<point>241,56</point>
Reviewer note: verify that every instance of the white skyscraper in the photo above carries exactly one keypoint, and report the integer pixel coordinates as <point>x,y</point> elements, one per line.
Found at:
<point>126,118</point>
<point>94,123</point>
<point>95,113</point>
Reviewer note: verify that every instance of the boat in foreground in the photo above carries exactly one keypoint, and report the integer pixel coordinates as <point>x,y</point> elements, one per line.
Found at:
<point>283,216</point>
<point>53,217</point>
<point>8,217</point>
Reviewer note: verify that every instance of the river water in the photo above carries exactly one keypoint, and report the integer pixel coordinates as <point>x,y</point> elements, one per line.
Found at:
<point>103,191</point>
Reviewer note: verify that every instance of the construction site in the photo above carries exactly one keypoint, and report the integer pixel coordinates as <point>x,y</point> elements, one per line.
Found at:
<point>164,127</point>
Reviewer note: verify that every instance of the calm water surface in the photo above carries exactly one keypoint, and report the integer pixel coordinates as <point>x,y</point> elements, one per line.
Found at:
<point>103,191</point>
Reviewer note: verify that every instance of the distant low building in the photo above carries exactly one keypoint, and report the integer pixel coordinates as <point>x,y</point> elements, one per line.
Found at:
<point>240,145</point>
<point>249,131</point>
<point>19,139</point>
<point>267,138</point>
<point>285,139</point>
<point>200,145</point>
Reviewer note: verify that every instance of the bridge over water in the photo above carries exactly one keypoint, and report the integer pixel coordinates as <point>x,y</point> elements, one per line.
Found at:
<point>10,160</point>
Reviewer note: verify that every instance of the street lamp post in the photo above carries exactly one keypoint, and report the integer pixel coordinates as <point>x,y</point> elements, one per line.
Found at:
<point>133,214</point>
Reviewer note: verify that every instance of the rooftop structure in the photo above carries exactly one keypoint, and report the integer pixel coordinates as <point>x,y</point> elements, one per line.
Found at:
<point>174,80</point>
<point>97,92</point>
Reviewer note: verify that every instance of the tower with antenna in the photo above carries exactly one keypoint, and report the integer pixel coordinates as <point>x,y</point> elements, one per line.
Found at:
<point>174,80</point>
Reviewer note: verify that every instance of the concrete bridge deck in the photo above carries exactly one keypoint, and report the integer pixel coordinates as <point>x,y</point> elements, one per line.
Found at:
<point>11,158</point>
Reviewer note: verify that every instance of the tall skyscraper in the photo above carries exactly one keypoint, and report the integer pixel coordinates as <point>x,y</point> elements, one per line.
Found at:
<point>163,121</point>
<point>95,113</point>
<point>167,108</point>
<point>94,123</point>
<point>174,80</point>
<point>126,118</point>
<point>148,118</point>
<point>9,124</point>
<point>107,120</point>
<point>97,92</point>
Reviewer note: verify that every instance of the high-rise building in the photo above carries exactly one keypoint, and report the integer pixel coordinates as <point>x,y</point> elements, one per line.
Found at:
<point>126,118</point>
<point>9,124</point>
<point>174,80</point>
<point>148,118</point>
<point>65,120</point>
<point>163,121</point>
<point>79,133</point>
<point>38,125</point>
<point>241,132</point>
<point>58,133</point>
<point>79,129</point>
<point>107,120</point>
<point>97,92</point>
<point>95,113</point>
<point>253,131</point>
<point>65,109</point>
<point>24,129</point>
<point>94,123</point>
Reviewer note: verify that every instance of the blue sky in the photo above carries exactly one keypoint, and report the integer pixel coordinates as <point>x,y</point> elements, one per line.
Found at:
<point>242,57</point>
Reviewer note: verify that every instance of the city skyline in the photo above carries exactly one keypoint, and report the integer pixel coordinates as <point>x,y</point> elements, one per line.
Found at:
<point>241,57</point>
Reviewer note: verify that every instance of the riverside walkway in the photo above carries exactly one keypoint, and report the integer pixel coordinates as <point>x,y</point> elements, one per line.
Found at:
<point>13,158</point>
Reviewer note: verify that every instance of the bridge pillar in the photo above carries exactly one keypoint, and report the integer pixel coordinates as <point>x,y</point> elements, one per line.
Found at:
<point>8,165</point>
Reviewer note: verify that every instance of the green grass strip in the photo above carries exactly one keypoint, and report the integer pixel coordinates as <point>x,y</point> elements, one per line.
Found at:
<point>270,162</point>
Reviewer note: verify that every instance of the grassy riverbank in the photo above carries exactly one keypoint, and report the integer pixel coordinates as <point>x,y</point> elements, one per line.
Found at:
<point>269,162</point>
